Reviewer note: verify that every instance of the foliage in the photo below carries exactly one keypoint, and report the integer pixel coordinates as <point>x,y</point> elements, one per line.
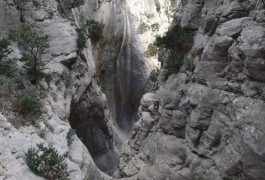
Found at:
<point>30,106</point>
<point>4,48</point>
<point>70,136</point>
<point>173,4</point>
<point>89,30</point>
<point>7,85</point>
<point>42,132</point>
<point>152,50</point>
<point>33,46</point>
<point>154,74</point>
<point>197,52</point>
<point>155,27</point>
<point>158,6</point>
<point>47,163</point>
<point>9,69</point>
<point>68,78</point>
<point>178,41</point>
<point>143,27</point>
<point>188,64</point>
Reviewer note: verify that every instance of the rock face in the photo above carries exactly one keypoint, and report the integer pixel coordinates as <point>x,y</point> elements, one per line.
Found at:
<point>120,60</point>
<point>89,116</point>
<point>72,96</point>
<point>70,77</point>
<point>123,71</point>
<point>206,123</point>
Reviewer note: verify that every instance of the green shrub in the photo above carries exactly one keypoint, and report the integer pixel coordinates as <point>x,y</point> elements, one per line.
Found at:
<point>155,27</point>
<point>33,46</point>
<point>68,78</point>
<point>154,74</point>
<point>158,6</point>
<point>9,68</point>
<point>70,136</point>
<point>89,30</point>
<point>7,88</point>
<point>152,50</point>
<point>143,27</point>
<point>42,132</point>
<point>30,107</point>
<point>47,163</point>
<point>173,4</point>
<point>178,41</point>
<point>104,88</point>
<point>4,48</point>
<point>188,64</point>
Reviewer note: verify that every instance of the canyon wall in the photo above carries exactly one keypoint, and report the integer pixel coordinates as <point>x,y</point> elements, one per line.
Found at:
<point>206,121</point>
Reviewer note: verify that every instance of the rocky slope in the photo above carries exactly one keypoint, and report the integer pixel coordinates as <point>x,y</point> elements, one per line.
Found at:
<point>207,122</point>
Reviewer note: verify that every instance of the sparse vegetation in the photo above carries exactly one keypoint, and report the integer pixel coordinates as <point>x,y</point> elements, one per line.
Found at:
<point>155,27</point>
<point>89,30</point>
<point>143,27</point>
<point>188,64</point>
<point>8,67</point>
<point>178,41</point>
<point>42,132</point>
<point>173,4</point>
<point>30,107</point>
<point>33,46</point>
<point>154,74</point>
<point>46,162</point>
<point>70,136</point>
<point>152,50</point>
<point>158,6</point>
<point>4,48</point>
<point>68,78</point>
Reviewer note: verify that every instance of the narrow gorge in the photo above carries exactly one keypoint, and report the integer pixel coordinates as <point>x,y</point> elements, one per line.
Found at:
<point>171,90</point>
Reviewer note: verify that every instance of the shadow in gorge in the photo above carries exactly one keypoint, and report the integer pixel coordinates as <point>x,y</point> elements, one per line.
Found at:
<point>89,117</point>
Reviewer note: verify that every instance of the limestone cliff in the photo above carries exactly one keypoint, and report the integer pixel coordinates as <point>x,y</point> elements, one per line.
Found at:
<point>207,121</point>
<point>71,93</point>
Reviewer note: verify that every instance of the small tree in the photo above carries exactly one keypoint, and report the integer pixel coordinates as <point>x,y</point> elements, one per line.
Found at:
<point>89,30</point>
<point>33,46</point>
<point>178,41</point>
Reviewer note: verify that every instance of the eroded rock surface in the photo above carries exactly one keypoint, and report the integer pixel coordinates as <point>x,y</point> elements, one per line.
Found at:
<point>206,123</point>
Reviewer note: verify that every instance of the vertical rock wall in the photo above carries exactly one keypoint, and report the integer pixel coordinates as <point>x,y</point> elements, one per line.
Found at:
<point>206,122</point>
